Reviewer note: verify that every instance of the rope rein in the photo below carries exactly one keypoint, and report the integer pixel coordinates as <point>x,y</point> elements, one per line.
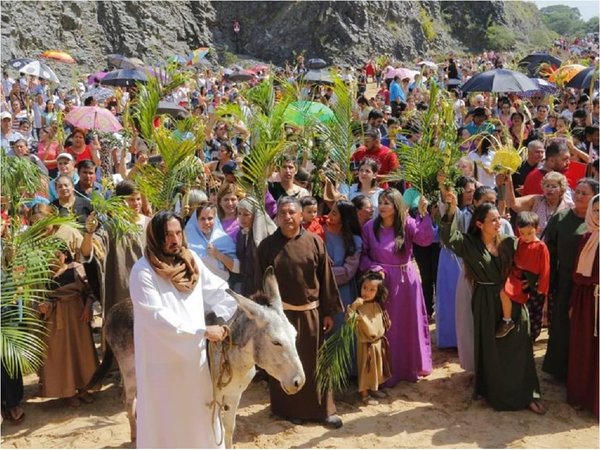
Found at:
<point>220,378</point>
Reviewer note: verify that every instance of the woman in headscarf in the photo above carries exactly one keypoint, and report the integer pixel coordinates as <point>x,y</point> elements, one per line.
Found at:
<point>563,234</point>
<point>582,378</point>
<point>211,243</point>
<point>255,225</point>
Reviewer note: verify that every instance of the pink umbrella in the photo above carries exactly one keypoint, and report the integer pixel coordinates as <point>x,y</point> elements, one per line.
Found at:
<point>93,118</point>
<point>401,72</point>
<point>94,76</point>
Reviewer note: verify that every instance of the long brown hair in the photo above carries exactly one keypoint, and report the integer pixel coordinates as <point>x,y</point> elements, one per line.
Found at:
<point>400,211</point>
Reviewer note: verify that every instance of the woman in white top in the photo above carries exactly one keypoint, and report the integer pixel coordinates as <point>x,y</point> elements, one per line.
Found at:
<point>367,184</point>
<point>482,157</point>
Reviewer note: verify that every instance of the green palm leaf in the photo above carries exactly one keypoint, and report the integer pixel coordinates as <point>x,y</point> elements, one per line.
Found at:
<point>27,255</point>
<point>115,215</point>
<point>334,358</point>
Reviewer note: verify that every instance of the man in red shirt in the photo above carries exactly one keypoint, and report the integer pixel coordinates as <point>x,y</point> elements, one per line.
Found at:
<point>557,159</point>
<point>386,159</point>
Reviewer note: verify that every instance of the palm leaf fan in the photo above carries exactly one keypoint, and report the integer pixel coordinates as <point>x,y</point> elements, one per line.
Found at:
<point>334,358</point>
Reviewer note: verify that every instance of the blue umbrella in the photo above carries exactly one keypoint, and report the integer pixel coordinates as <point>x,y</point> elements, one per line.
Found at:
<point>19,63</point>
<point>499,80</point>
<point>544,87</point>
<point>124,77</point>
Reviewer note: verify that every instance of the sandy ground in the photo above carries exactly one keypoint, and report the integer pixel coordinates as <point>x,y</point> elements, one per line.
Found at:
<point>437,411</point>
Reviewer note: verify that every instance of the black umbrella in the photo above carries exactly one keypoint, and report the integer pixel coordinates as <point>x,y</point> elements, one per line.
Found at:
<point>535,60</point>
<point>499,80</point>
<point>171,108</point>
<point>316,77</point>
<point>315,63</point>
<point>583,79</point>
<point>124,77</point>
<point>19,63</point>
<point>242,75</point>
<point>540,58</point>
<point>123,62</point>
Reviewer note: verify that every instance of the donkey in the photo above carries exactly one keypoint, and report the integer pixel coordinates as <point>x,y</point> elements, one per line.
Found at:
<point>260,333</point>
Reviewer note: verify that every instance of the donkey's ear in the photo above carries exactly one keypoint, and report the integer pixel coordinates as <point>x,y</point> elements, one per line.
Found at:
<point>271,288</point>
<point>251,308</point>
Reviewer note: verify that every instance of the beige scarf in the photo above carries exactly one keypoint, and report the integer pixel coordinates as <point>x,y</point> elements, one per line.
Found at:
<point>589,250</point>
<point>183,273</point>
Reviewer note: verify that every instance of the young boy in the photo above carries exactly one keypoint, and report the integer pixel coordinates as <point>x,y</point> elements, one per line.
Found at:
<point>310,221</point>
<point>531,264</point>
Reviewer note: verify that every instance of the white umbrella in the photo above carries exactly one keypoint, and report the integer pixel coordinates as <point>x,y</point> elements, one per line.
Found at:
<point>429,64</point>
<point>40,70</point>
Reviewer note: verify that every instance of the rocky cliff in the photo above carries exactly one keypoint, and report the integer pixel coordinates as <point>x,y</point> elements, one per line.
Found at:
<point>339,31</point>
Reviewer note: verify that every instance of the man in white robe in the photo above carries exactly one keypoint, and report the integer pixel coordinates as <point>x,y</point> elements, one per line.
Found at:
<point>172,290</point>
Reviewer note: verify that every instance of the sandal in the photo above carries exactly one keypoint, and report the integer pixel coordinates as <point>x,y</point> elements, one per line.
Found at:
<point>378,394</point>
<point>85,397</point>
<point>537,408</point>
<point>16,415</point>
<point>369,401</point>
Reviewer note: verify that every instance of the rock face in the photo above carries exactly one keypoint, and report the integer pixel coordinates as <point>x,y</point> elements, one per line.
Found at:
<point>339,31</point>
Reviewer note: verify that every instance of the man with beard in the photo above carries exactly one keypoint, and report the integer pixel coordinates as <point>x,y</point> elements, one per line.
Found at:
<point>171,291</point>
<point>310,300</point>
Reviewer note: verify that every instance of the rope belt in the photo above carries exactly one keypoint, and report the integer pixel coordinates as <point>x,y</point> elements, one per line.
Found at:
<point>217,377</point>
<point>487,283</point>
<point>596,295</point>
<point>308,307</point>
<point>399,266</point>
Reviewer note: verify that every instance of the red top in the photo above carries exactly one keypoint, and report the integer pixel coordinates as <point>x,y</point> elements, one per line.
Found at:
<point>533,182</point>
<point>386,159</point>
<point>316,226</point>
<point>85,154</point>
<point>534,258</point>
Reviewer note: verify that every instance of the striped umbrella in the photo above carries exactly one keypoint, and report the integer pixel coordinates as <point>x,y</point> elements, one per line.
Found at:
<point>99,93</point>
<point>58,56</point>
<point>93,118</point>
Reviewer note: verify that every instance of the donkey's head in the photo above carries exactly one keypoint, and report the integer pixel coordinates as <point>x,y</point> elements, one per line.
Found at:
<point>273,336</point>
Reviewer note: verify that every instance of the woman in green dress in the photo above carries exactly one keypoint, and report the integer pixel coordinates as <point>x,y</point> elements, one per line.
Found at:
<point>562,235</point>
<point>504,368</point>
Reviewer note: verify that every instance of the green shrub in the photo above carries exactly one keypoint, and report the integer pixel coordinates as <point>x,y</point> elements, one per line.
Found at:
<point>500,38</point>
<point>427,25</point>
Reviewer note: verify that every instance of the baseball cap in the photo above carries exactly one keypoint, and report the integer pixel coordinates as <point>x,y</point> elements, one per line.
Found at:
<point>387,109</point>
<point>229,167</point>
<point>5,115</point>
<point>65,155</point>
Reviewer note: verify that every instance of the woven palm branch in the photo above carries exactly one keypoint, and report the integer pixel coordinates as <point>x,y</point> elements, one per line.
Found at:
<point>27,255</point>
<point>334,358</point>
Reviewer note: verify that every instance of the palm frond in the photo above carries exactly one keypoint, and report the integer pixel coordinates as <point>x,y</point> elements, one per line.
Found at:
<point>115,215</point>
<point>334,358</point>
<point>20,178</point>
<point>26,272</point>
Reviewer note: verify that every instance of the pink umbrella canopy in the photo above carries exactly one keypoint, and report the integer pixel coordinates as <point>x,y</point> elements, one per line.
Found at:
<point>96,76</point>
<point>93,118</point>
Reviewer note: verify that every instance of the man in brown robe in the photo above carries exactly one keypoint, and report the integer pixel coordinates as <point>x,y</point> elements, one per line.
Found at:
<point>310,300</point>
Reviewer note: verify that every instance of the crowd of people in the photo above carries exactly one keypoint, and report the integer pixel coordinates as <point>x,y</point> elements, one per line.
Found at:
<point>491,260</point>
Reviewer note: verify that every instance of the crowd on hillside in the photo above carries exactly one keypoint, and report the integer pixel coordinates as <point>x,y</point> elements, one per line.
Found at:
<point>491,261</point>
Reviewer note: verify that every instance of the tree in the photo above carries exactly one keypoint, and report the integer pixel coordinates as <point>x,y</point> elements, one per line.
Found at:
<point>592,25</point>
<point>563,20</point>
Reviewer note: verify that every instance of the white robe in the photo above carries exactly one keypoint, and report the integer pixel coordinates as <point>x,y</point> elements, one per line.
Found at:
<point>173,379</point>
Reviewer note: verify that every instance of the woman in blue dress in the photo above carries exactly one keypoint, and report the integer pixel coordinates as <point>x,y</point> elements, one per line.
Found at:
<point>450,267</point>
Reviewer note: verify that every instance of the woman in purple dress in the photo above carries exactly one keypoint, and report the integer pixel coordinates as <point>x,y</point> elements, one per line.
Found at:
<point>387,248</point>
